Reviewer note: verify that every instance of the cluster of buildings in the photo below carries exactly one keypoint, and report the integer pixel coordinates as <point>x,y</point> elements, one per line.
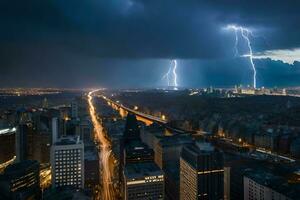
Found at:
<point>243,124</point>
<point>239,90</point>
<point>52,148</point>
<point>52,154</point>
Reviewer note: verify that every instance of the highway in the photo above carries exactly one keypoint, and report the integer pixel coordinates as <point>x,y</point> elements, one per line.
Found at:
<point>107,192</point>
<point>143,116</point>
<point>137,113</point>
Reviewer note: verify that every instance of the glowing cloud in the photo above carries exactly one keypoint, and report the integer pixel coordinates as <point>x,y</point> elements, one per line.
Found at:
<point>288,56</point>
<point>168,75</point>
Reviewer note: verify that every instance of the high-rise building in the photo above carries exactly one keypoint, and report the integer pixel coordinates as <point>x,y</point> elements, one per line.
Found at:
<point>201,172</point>
<point>67,162</point>
<point>131,134</point>
<point>91,167</point>
<point>7,145</point>
<point>168,149</point>
<point>21,181</point>
<point>21,142</point>
<point>143,181</point>
<point>167,156</point>
<point>74,109</point>
<point>132,131</point>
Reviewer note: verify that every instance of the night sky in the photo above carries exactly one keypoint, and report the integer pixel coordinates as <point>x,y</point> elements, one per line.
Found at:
<point>130,43</point>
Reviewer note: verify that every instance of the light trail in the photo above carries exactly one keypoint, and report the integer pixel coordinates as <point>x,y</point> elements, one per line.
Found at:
<point>5,164</point>
<point>245,34</point>
<point>45,178</point>
<point>108,192</point>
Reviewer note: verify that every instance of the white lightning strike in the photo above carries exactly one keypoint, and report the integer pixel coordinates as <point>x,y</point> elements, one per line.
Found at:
<point>174,73</point>
<point>168,75</point>
<point>245,34</point>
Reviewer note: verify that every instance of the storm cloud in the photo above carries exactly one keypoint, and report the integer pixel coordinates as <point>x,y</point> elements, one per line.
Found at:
<point>71,37</point>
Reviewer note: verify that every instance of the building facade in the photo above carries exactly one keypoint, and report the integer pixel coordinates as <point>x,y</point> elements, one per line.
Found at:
<point>201,173</point>
<point>67,162</point>
<point>143,181</point>
<point>21,181</point>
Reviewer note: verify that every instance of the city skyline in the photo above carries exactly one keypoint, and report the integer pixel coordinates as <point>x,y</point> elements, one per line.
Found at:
<point>149,100</point>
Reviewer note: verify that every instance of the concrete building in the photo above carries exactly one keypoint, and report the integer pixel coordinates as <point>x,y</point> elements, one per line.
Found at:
<point>201,173</point>
<point>168,149</point>
<point>67,162</point>
<point>91,167</point>
<point>74,109</point>
<point>167,156</point>
<point>143,181</point>
<point>263,185</point>
<point>21,142</point>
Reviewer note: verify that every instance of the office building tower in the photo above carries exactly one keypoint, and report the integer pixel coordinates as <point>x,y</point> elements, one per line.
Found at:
<point>168,149</point>
<point>91,167</point>
<point>131,134</point>
<point>74,109</point>
<point>167,156</point>
<point>132,131</point>
<point>201,172</point>
<point>67,162</point>
<point>54,129</point>
<point>143,181</point>
<point>21,142</point>
<point>21,181</point>
<point>7,145</point>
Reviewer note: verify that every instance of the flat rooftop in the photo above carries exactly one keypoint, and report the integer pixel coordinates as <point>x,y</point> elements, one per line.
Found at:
<point>69,140</point>
<point>140,170</point>
<point>277,183</point>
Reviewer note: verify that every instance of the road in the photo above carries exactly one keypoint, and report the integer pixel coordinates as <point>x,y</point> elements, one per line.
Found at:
<point>143,116</point>
<point>108,192</point>
<point>137,113</point>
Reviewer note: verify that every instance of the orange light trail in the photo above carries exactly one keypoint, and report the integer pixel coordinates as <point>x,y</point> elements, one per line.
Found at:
<point>108,192</point>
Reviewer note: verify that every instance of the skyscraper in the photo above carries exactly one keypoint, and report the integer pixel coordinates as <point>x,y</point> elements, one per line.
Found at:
<point>74,109</point>
<point>21,142</point>
<point>132,131</point>
<point>201,172</point>
<point>67,162</point>
<point>131,134</point>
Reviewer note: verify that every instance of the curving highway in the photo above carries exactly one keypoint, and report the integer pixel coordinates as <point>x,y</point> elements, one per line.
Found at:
<point>108,192</point>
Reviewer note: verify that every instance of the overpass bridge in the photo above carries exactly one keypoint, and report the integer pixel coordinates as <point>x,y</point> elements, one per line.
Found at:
<point>143,116</point>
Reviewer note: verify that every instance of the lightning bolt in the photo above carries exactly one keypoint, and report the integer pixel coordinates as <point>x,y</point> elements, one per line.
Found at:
<point>175,74</point>
<point>245,34</point>
<point>168,75</point>
<point>236,43</point>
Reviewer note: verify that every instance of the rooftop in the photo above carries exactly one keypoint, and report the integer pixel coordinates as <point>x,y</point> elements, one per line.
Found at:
<point>139,170</point>
<point>68,140</point>
<point>277,183</point>
<point>175,140</point>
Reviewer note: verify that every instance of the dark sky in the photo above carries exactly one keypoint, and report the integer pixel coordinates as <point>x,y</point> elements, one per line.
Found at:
<point>129,43</point>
